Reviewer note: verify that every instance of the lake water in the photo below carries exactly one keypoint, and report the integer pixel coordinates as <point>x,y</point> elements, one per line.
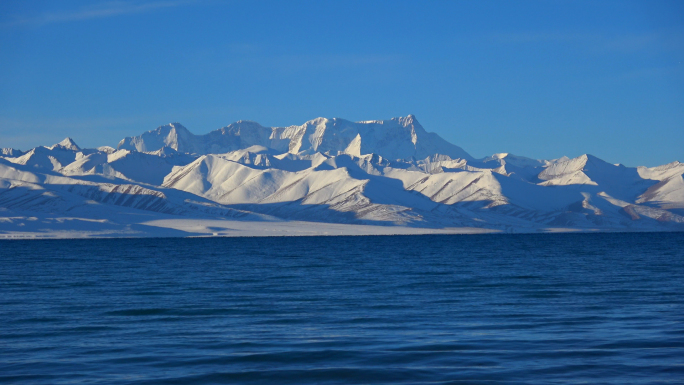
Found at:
<point>476,309</point>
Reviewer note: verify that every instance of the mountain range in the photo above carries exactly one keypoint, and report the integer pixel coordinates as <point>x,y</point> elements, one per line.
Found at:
<point>326,176</point>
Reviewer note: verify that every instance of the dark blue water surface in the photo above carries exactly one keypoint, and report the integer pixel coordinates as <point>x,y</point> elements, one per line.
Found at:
<point>527,309</point>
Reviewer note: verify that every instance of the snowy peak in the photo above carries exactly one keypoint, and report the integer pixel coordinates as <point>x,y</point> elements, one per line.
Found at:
<point>408,120</point>
<point>571,167</point>
<point>319,135</point>
<point>246,127</point>
<point>172,135</point>
<point>66,144</point>
<point>667,194</point>
<point>662,172</point>
<point>515,160</point>
<point>617,181</point>
<point>411,123</point>
<point>10,152</point>
<point>236,136</point>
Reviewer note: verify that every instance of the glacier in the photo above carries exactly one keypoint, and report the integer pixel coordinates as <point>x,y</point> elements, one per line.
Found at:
<point>324,177</point>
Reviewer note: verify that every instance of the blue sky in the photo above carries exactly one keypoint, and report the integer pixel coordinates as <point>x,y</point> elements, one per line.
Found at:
<point>536,78</point>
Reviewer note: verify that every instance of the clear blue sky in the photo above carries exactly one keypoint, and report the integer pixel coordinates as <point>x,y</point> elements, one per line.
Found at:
<point>536,78</point>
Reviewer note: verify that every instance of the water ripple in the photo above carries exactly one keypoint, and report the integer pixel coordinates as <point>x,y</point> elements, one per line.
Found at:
<point>484,309</point>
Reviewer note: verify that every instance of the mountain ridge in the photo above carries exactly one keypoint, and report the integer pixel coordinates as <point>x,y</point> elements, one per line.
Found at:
<point>398,138</point>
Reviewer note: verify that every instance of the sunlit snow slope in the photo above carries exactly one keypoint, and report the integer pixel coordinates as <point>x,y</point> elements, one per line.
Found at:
<point>327,176</point>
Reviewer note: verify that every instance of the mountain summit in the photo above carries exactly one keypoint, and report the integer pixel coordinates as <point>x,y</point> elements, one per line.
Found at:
<point>66,144</point>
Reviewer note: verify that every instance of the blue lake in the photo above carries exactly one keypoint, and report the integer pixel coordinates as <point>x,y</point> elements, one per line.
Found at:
<point>475,309</point>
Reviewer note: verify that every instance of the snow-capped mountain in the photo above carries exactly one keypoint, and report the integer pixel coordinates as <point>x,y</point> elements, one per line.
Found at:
<point>326,176</point>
